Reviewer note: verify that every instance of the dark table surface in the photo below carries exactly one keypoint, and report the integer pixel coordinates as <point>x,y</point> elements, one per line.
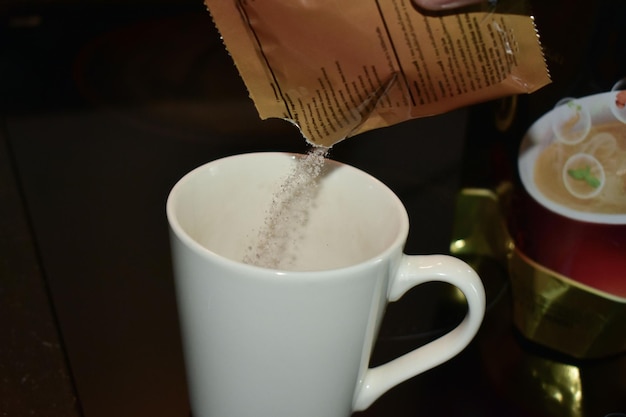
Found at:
<point>103,109</point>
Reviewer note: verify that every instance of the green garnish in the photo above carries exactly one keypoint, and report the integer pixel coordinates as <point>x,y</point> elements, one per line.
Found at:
<point>573,105</point>
<point>584,174</point>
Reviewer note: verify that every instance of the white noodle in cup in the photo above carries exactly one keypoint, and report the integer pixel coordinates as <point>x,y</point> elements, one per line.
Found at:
<point>571,122</point>
<point>601,144</point>
<point>541,134</point>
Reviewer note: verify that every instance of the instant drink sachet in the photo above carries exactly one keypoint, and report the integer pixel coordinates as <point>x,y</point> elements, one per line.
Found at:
<point>336,68</point>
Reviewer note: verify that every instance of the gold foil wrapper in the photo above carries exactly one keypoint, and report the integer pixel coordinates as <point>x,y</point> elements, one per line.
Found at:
<point>548,308</point>
<point>560,313</point>
<point>546,383</point>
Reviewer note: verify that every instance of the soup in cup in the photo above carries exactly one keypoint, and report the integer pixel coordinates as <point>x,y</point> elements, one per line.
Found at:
<point>577,218</point>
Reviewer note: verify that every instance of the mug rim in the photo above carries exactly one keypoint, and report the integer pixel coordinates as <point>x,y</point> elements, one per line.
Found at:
<point>540,135</point>
<point>176,228</point>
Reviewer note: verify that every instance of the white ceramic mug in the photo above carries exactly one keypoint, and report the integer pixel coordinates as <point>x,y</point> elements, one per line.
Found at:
<point>269,343</point>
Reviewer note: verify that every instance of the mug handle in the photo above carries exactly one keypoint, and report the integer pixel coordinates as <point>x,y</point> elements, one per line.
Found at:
<point>415,270</point>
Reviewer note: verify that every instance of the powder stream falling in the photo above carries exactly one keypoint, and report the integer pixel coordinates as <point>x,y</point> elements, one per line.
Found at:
<point>276,245</point>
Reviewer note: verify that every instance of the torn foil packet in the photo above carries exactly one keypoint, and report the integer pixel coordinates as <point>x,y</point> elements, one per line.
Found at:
<point>339,68</point>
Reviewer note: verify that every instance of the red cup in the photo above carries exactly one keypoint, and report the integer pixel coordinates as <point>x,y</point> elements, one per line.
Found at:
<point>572,219</point>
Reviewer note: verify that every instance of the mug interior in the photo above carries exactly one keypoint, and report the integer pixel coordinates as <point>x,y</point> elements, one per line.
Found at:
<point>352,217</point>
